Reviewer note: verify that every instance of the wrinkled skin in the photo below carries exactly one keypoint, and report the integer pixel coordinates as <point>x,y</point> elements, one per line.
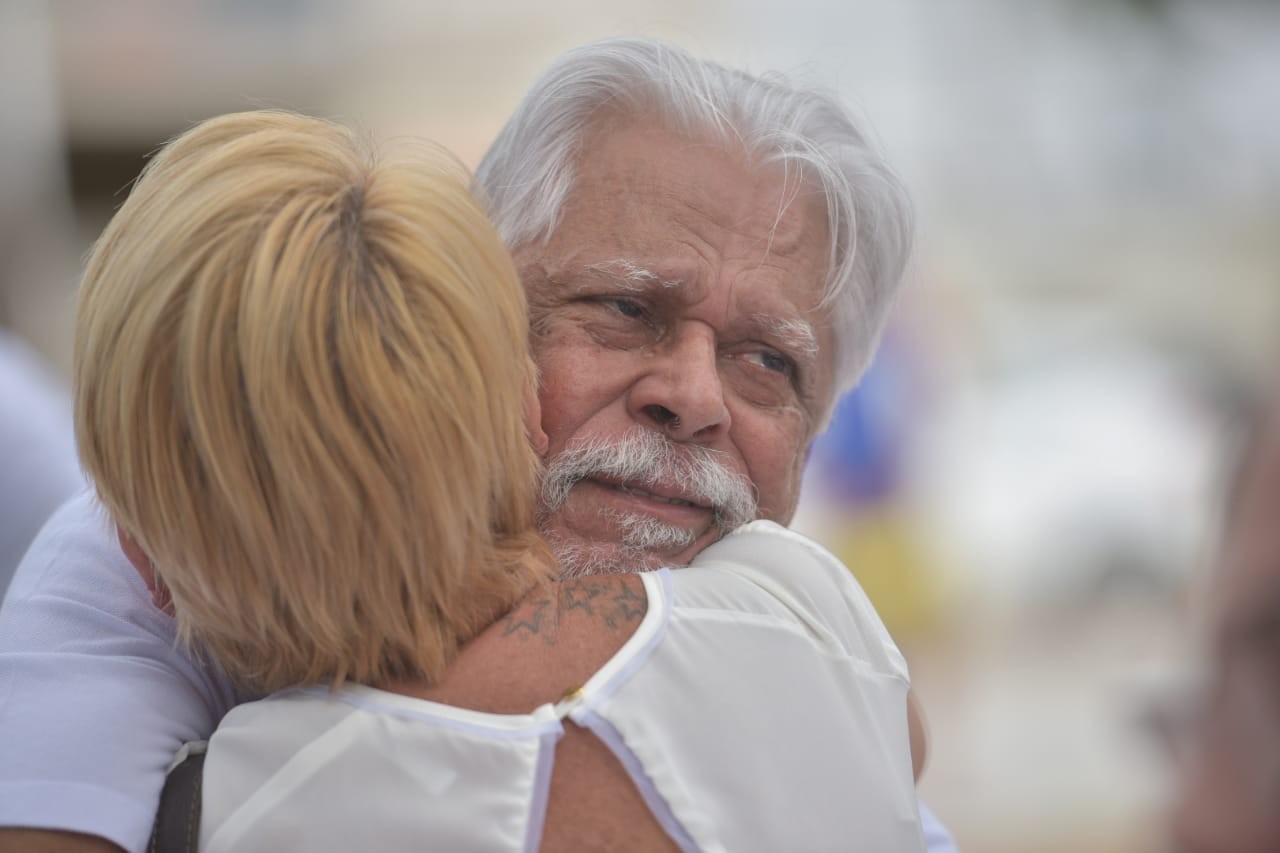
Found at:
<point>706,349</point>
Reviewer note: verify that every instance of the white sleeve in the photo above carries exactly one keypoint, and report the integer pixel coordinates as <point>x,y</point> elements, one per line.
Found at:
<point>38,467</point>
<point>817,588</point>
<point>94,697</point>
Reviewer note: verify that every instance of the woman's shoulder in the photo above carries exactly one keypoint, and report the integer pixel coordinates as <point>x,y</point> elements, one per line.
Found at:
<point>765,568</point>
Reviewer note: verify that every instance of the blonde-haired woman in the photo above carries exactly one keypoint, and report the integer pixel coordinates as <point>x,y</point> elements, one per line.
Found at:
<point>304,396</point>
<point>301,376</point>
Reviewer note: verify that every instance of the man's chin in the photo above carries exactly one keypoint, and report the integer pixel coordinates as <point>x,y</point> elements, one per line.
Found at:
<point>581,557</point>
<point>590,541</point>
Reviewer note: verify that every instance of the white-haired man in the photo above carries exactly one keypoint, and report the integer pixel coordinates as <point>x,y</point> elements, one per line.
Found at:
<point>709,258</point>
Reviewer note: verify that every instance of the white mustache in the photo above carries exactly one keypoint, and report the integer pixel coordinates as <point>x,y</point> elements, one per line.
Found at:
<point>645,458</point>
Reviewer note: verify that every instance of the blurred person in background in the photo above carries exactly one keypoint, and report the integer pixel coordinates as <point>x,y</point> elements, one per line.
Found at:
<point>709,259</point>
<point>38,468</point>
<point>1229,792</point>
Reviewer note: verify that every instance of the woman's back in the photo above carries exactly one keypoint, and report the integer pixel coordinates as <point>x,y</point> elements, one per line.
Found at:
<point>719,708</point>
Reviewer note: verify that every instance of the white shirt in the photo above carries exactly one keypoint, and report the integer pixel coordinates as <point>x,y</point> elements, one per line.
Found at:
<point>38,465</point>
<point>760,706</point>
<point>94,698</point>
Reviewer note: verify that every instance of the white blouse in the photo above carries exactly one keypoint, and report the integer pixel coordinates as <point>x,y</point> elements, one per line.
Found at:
<point>760,706</point>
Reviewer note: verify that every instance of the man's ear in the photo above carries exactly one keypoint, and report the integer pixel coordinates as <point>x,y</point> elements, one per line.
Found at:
<point>146,570</point>
<point>533,420</point>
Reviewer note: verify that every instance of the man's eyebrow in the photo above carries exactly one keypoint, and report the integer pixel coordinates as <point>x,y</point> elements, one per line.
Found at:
<point>795,334</point>
<point>632,276</point>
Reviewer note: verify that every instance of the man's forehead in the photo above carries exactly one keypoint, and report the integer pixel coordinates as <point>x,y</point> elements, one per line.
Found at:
<point>632,171</point>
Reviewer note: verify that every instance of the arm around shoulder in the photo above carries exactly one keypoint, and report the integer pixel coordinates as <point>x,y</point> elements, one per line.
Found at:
<point>46,841</point>
<point>95,698</point>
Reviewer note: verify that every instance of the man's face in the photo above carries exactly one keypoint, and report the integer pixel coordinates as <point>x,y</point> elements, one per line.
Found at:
<point>1230,786</point>
<point>677,298</point>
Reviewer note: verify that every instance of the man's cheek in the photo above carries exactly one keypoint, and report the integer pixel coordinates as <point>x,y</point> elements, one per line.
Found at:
<point>777,471</point>
<point>560,402</point>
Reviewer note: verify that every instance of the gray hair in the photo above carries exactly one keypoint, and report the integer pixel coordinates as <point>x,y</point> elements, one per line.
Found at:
<point>528,172</point>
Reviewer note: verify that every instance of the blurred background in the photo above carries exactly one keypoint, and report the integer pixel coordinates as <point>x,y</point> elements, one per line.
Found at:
<point>1027,481</point>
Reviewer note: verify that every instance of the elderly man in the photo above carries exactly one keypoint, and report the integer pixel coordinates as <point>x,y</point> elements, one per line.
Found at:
<point>709,258</point>
<point>1230,791</point>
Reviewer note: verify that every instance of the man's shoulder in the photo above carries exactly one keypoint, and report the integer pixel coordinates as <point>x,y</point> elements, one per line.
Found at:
<point>74,553</point>
<point>74,590</point>
<point>95,695</point>
<point>811,585</point>
<point>794,559</point>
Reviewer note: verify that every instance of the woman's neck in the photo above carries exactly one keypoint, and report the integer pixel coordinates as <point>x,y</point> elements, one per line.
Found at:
<point>551,642</point>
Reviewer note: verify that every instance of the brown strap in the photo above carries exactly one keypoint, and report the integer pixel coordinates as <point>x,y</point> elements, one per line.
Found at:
<point>177,828</point>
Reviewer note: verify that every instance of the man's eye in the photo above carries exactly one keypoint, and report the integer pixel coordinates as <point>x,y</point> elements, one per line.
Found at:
<point>628,308</point>
<point>774,361</point>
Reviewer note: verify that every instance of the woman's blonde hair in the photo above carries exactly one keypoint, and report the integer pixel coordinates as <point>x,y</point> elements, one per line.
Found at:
<point>300,375</point>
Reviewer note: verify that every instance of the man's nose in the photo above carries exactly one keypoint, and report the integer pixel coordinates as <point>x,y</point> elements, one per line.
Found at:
<point>680,392</point>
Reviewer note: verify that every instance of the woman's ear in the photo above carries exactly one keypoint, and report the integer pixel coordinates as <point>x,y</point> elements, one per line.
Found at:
<point>533,420</point>
<point>146,569</point>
